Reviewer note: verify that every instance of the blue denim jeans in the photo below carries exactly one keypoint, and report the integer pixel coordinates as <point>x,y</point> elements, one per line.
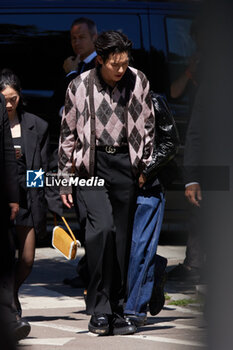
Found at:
<point>146,230</point>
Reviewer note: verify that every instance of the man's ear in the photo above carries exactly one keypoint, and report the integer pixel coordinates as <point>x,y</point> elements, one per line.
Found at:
<point>94,37</point>
<point>100,59</point>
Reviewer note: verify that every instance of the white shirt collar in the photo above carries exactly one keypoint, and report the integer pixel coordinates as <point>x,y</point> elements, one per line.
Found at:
<point>86,60</point>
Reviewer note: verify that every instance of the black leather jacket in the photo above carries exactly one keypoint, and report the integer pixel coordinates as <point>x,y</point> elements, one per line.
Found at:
<point>166,138</point>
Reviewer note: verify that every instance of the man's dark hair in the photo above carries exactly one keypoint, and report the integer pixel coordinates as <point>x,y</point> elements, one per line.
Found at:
<point>111,42</point>
<point>91,24</point>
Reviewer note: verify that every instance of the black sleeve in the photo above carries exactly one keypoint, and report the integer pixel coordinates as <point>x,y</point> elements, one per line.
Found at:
<point>166,137</point>
<point>8,160</point>
<point>58,98</point>
<point>193,141</point>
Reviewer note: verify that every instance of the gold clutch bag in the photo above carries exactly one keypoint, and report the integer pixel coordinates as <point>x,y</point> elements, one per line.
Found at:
<point>65,242</point>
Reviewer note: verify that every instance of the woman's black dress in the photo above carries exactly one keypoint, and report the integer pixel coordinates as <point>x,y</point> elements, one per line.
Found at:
<point>24,217</point>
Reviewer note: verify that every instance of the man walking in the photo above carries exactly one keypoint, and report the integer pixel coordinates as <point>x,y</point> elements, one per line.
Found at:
<point>146,272</point>
<point>83,33</point>
<point>107,131</point>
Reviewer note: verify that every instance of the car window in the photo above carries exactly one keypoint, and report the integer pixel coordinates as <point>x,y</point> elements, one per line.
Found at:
<point>36,45</point>
<point>180,45</point>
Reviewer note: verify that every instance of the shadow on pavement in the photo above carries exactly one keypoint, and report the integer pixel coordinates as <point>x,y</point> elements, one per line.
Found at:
<point>50,318</point>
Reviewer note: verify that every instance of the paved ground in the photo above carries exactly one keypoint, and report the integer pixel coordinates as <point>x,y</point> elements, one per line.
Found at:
<point>56,312</point>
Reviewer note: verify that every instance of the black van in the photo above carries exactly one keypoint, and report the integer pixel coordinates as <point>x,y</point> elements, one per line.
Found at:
<point>34,41</point>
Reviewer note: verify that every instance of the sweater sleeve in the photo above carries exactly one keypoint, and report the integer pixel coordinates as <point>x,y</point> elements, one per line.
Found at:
<point>67,138</point>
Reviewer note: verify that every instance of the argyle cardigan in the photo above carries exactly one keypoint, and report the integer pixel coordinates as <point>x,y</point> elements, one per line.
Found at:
<point>78,135</point>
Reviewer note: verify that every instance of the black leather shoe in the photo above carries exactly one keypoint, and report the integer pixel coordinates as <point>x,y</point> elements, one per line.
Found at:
<point>99,324</point>
<point>138,321</point>
<point>122,326</point>
<point>21,329</point>
<point>157,299</point>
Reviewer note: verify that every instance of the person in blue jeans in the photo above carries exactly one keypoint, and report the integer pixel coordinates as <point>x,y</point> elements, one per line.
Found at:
<point>146,271</point>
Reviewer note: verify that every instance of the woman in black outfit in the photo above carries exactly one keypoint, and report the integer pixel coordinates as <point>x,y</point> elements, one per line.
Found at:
<point>30,139</point>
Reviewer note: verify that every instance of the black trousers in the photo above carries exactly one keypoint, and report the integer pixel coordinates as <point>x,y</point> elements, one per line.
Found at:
<point>195,251</point>
<point>7,266</point>
<point>110,211</point>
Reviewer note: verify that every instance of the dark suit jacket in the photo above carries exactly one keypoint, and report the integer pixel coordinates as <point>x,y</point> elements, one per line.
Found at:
<point>34,132</point>
<point>67,80</point>
<point>9,194</point>
<point>192,149</point>
<point>8,166</point>
<point>58,98</point>
<point>35,136</point>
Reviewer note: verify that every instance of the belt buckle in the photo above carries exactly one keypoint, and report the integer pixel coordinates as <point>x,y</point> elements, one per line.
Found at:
<point>110,149</point>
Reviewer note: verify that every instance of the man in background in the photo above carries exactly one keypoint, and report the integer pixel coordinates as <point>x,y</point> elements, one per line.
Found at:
<point>83,33</point>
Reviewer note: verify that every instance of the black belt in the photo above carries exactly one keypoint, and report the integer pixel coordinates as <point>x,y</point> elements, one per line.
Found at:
<point>113,149</point>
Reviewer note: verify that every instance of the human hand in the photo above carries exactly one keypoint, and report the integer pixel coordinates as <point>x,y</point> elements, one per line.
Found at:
<point>193,194</point>
<point>141,180</point>
<point>14,210</point>
<point>67,199</point>
<point>71,63</point>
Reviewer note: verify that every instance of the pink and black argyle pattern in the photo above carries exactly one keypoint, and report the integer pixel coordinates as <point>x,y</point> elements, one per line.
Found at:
<point>113,126</point>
